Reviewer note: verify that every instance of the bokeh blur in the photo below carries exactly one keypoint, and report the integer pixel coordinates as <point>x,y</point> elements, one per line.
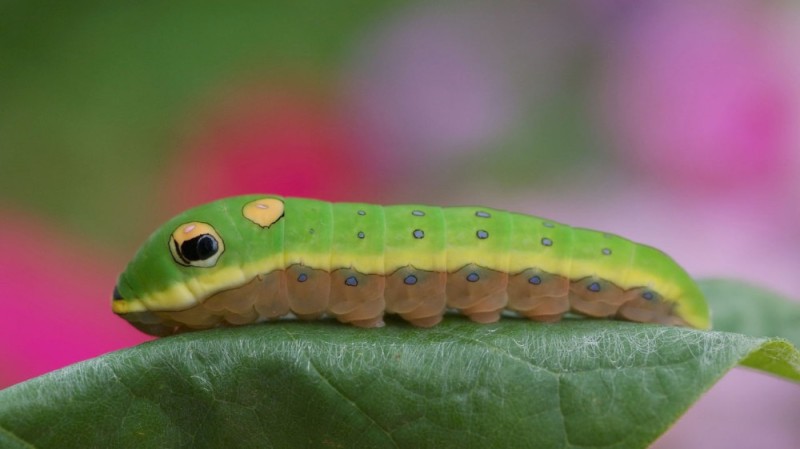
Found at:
<point>672,123</point>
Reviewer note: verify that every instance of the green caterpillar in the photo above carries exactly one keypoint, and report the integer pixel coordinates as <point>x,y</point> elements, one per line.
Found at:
<point>260,257</point>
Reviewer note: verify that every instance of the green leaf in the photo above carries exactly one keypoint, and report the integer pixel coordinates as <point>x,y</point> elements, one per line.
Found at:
<point>744,308</point>
<point>294,384</point>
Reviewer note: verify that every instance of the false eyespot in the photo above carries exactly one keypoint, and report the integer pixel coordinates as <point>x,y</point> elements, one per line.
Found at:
<point>196,244</point>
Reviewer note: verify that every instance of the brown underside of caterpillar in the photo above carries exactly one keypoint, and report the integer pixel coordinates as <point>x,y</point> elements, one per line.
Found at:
<point>420,297</point>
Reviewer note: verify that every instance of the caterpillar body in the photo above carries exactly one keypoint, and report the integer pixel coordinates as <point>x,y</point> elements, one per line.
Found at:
<point>255,258</point>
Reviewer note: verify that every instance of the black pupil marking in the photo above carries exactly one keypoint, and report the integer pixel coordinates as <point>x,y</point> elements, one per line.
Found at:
<point>547,224</point>
<point>117,296</point>
<point>302,278</point>
<point>594,286</point>
<point>482,214</point>
<point>648,296</point>
<point>417,213</point>
<point>547,242</point>
<point>361,235</point>
<point>351,281</point>
<point>418,234</point>
<point>482,234</point>
<point>199,248</point>
<point>473,277</point>
<point>410,280</point>
<point>535,280</point>
<point>606,251</point>
<point>361,212</point>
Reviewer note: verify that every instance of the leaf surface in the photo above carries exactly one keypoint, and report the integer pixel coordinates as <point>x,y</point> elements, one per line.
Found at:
<point>515,383</point>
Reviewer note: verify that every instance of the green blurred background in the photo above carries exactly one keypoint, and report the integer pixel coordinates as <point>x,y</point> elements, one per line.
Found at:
<point>96,96</point>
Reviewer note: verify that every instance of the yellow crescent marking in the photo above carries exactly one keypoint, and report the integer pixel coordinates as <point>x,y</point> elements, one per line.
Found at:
<point>263,212</point>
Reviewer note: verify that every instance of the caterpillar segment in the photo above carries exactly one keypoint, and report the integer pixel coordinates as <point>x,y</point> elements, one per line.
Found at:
<point>257,258</point>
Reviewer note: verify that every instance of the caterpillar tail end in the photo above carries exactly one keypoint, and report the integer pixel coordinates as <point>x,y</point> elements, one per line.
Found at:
<point>693,308</point>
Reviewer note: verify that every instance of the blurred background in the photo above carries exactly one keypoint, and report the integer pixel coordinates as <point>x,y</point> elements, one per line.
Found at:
<point>672,123</point>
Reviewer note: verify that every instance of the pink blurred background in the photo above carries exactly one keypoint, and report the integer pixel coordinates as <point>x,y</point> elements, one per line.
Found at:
<point>672,123</point>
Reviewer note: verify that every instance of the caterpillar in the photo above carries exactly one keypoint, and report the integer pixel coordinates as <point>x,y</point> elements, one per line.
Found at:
<point>256,258</point>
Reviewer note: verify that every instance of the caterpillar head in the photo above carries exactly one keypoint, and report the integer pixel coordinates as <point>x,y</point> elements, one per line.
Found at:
<point>199,253</point>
